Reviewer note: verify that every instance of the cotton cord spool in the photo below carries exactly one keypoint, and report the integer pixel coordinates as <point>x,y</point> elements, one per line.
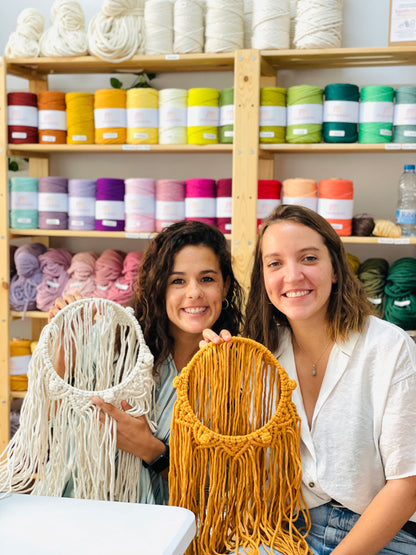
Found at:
<point>293,10</point>
<point>24,284</point>
<point>110,118</point>
<point>19,359</point>
<point>341,109</point>
<point>105,355</point>
<point>268,197</point>
<point>336,203</point>
<point>22,117</point>
<point>318,24</point>
<point>173,105</point>
<point>109,206</point>
<point>142,116</point>
<point>24,41</point>
<point>203,116</point>
<point>404,115</point>
<point>272,115</point>
<point>81,204</point>
<point>376,114</point>
<point>301,191</point>
<point>80,118</point>
<point>140,204</point>
<point>224,25</point>
<point>123,289</point>
<point>270,24</point>
<point>24,202</point>
<point>224,204</point>
<point>54,264</point>
<point>108,269</point>
<point>52,117</point>
<point>67,35</point>
<point>200,203</point>
<point>158,27</point>
<point>117,32</point>
<point>304,114</point>
<point>170,202</point>
<point>188,26</point>
<point>373,275</point>
<point>227,116</point>
<point>248,22</point>
<point>81,274</point>
<point>53,202</point>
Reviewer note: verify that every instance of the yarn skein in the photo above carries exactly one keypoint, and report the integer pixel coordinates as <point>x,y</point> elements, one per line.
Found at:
<point>376,114</point>
<point>123,289</point>
<point>23,285</point>
<point>81,274</point>
<point>24,41</point>
<point>54,264</point>
<point>203,116</point>
<point>108,268</point>
<point>66,36</point>
<point>404,115</point>
<point>341,109</point>
<point>373,275</point>
<point>304,114</point>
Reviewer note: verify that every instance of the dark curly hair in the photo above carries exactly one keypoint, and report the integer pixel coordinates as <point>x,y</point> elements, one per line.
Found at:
<point>152,281</point>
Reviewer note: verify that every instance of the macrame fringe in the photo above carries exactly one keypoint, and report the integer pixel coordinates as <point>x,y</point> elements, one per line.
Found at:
<point>235,451</point>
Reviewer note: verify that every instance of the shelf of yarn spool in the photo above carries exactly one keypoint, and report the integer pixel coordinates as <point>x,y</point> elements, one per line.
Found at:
<point>384,148</point>
<point>92,233</point>
<point>33,149</point>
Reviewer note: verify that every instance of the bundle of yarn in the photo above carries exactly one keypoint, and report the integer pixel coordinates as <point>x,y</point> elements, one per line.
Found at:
<point>24,42</point>
<point>28,276</point>
<point>67,35</point>
<point>61,437</point>
<point>117,32</point>
<point>81,274</point>
<point>235,426</point>
<point>54,264</point>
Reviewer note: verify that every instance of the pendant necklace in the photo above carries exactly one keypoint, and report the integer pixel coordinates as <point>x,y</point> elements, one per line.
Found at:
<point>313,371</point>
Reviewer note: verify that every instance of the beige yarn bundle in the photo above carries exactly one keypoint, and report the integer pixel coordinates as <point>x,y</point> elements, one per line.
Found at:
<point>61,437</point>
<point>67,35</point>
<point>235,451</point>
<point>24,42</point>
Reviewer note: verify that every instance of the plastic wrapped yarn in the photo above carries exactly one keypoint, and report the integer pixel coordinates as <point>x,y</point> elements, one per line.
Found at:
<point>224,25</point>
<point>336,204</point>
<point>123,289</point>
<point>54,264</point>
<point>109,206</point>
<point>52,117</point>
<point>376,114</point>
<point>227,116</point>
<point>53,202</point>
<point>110,119</point>
<point>224,204</point>
<point>82,274</point>
<point>23,285</point>
<point>158,27</point>
<point>268,197</point>
<point>203,116</point>
<point>200,203</point>
<point>341,109</point>
<point>81,204</point>
<point>303,192</point>
<point>80,118</point>
<point>24,202</point>
<point>22,117</point>
<point>108,269</point>
<point>140,204</point>
<point>142,116</point>
<point>173,105</point>
<point>404,115</point>
<point>304,114</point>
<point>272,115</point>
<point>170,202</point>
<point>188,26</point>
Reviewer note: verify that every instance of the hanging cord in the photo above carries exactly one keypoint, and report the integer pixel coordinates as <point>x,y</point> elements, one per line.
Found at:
<point>117,32</point>
<point>66,36</point>
<point>24,42</point>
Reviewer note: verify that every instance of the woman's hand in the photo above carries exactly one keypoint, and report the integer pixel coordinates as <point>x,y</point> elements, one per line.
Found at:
<point>211,337</point>
<point>62,302</point>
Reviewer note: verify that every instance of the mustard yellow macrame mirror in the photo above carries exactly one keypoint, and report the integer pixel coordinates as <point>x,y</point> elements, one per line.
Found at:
<point>235,453</point>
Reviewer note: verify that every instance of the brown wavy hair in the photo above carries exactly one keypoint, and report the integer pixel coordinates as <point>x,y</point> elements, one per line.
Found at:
<point>152,281</point>
<point>348,306</point>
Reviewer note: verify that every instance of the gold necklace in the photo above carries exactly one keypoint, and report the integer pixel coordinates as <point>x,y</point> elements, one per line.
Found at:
<point>313,371</point>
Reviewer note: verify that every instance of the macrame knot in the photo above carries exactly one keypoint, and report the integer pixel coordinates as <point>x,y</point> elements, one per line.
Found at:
<point>108,397</point>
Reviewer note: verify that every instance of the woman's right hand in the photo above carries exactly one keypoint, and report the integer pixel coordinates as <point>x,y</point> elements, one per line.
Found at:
<point>211,337</point>
<point>62,302</point>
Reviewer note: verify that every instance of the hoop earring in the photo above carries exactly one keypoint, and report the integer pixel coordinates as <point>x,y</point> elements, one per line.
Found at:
<point>227,304</point>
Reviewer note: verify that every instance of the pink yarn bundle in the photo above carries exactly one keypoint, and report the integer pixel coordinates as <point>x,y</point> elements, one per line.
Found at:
<point>123,289</point>
<point>23,285</point>
<point>54,264</point>
<point>108,268</point>
<point>82,274</point>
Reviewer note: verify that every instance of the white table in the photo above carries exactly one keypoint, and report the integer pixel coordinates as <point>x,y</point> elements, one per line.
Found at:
<point>38,525</point>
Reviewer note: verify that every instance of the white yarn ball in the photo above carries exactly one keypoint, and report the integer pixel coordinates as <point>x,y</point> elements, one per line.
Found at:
<point>271,24</point>
<point>188,26</point>
<point>224,25</point>
<point>67,35</point>
<point>158,27</point>
<point>318,24</point>
<point>24,42</point>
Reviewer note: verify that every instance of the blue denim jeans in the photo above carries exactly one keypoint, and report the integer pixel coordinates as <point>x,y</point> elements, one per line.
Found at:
<point>331,523</point>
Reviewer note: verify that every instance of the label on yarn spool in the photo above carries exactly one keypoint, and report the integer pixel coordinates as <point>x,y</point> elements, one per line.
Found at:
<point>109,117</point>
<point>53,284</point>
<point>200,207</point>
<point>386,132</point>
<point>140,135</point>
<point>224,207</point>
<point>109,223</point>
<point>21,200</point>
<point>136,204</point>
<point>335,209</point>
<point>110,135</point>
<point>308,202</point>
<point>172,116</point>
<point>81,206</point>
<point>24,220</point>
<point>408,146</point>
<point>228,133</point>
<point>266,134</point>
<point>300,131</point>
<point>53,202</point>
<point>404,114</point>
<point>53,221</point>
<point>401,304</point>
<point>79,138</point>
<point>409,133</point>
<point>265,207</point>
<point>227,115</point>
<point>19,365</point>
<point>172,57</point>
<point>274,116</point>
<point>109,209</point>
<point>142,117</point>
<point>341,111</point>
<point>121,286</point>
<point>392,146</point>
<point>336,133</point>
<point>19,135</point>
<point>48,139</point>
<point>52,119</point>
<point>25,116</point>
<point>170,210</point>
<point>299,114</point>
<point>203,115</point>
<point>374,301</point>
<point>376,112</point>
<point>209,136</point>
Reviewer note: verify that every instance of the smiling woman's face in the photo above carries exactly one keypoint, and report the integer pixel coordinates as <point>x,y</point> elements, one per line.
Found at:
<point>195,291</point>
<point>298,273</point>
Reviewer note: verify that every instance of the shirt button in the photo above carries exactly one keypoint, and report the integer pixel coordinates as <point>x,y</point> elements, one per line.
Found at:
<point>311,484</point>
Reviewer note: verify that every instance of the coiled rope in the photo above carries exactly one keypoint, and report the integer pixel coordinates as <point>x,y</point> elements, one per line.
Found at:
<point>24,42</point>
<point>67,35</point>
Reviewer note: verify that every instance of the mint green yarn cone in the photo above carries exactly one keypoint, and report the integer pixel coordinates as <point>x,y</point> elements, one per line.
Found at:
<point>376,114</point>
<point>404,115</point>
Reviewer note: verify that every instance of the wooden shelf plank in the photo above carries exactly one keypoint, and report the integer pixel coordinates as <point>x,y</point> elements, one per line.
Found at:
<point>42,149</point>
<point>384,148</point>
<point>15,314</point>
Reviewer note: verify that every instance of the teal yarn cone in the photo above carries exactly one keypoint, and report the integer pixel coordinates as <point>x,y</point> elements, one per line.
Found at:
<point>304,114</point>
<point>376,114</point>
<point>404,115</point>
<point>24,202</point>
<point>341,109</point>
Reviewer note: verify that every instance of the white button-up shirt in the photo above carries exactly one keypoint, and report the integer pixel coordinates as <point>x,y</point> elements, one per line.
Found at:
<point>363,430</point>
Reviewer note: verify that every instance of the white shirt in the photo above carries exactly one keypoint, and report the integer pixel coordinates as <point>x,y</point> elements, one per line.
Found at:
<point>363,429</point>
